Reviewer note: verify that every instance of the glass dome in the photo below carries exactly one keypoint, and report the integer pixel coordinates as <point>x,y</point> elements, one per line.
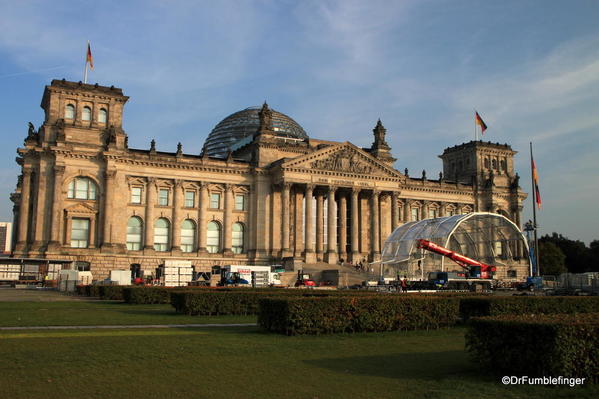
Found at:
<point>245,123</point>
<point>486,237</point>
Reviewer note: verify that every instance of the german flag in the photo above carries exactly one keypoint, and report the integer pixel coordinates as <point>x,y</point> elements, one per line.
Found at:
<point>89,58</point>
<point>535,178</point>
<point>480,122</point>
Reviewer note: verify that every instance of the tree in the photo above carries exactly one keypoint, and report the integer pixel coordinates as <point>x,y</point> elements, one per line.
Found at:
<point>578,257</point>
<point>552,259</point>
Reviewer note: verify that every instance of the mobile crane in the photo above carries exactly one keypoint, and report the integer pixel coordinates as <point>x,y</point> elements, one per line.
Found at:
<point>475,271</point>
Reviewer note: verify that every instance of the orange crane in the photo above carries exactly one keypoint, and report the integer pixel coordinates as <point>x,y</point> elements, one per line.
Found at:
<point>475,268</point>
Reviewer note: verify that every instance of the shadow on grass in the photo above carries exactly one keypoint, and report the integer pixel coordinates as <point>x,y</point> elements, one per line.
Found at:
<point>415,365</point>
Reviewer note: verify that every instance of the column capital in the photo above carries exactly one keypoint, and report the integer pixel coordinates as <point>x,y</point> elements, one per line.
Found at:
<point>376,193</point>
<point>286,186</point>
<point>151,180</point>
<point>27,170</point>
<point>178,183</point>
<point>229,187</point>
<point>356,191</point>
<point>110,174</point>
<point>310,187</point>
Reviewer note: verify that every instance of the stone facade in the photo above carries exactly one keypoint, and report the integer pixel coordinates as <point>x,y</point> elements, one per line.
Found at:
<point>85,195</point>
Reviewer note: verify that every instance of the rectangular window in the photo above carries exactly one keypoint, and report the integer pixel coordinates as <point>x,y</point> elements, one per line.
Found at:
<point>136,195</point>
<point>79,233</point>
<point>415,212</point>
<point>163,197</point>
<point>512,273</point>
<point>215,201</point>
<point>432,213</point>
<point>240,202</point>
<point>189,199</point>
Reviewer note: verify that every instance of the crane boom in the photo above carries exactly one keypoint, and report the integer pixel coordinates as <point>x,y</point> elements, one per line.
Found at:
<point>473,266</point>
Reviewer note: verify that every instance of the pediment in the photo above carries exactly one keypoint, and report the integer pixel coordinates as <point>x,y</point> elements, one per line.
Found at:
<point>342,158</point>
<point>81,208</point>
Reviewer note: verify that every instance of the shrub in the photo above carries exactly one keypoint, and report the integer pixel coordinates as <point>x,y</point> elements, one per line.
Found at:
<point>114,292</point>
<point>539,345</point>
<point>208,302</point>
<point>340,314</point>
<point>494,306</point>
<point>145,295</point>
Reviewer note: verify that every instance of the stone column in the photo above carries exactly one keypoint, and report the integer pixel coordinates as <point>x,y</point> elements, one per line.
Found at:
<point>149,222</point>
<point>424,211</point>
<point>394,211</point>
<point>343,227</point>
<point>331,227</point>
<point>299,223</point>
<point>24,209</point>
<point>319,226</point>
<point>57,205</point>
<point>309,254</point>
<point>355,223</point>
<point>202,227</point>
<point>39,202</point>
<point>107,216</point>
<point>92,233</point>
<point>406,211</point>
<point>176,225</point>
<point>285,222</point>
<point>442,206</point>
<point>375,226</point>
<point>228,220</point>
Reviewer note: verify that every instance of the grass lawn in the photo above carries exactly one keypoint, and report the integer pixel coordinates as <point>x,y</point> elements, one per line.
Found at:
<point>86,313</point>
<point>247,363</point>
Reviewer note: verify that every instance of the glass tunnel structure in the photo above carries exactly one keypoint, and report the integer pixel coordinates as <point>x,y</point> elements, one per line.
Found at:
<point>486,237</point>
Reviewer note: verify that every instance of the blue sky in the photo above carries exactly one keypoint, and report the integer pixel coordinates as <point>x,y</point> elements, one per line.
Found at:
<point>531,68</point>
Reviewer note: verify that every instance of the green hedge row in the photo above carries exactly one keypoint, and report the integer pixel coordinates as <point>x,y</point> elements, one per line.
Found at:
<point>341,314</point>
<point>494,306</point>
<point>144,295</point>
<point>222,302</point>
<point>114,292</point>
<point>539,345</point>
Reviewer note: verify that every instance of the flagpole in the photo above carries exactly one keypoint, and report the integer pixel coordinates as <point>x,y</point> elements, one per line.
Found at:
<point>534,213</point>
<point>85,73</point>
<point>475,131</point>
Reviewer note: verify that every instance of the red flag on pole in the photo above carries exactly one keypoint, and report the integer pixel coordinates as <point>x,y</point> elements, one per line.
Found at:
<point>480,122</point>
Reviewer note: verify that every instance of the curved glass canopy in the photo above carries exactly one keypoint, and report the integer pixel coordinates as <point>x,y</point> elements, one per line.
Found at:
<point>486,237</point>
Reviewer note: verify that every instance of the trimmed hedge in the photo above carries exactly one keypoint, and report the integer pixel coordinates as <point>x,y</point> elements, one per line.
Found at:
<point>114,292</point>
<point>220,302</point>
<point>343,314</point>
<point>494,306</point>
<point>540,345</point>
<point>145,295</point>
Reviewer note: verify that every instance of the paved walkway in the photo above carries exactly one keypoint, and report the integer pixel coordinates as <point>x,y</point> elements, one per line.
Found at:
<point>130,326</point>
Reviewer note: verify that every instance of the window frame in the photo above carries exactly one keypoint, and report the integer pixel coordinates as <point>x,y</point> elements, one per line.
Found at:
<point>243,202</point>
<point>186,199</point>
<point>103,112</point>
<point>212,248</point>
<point>68,108</point>
<point>188,247</point>
<point>139,243</point>
<point>80,242</point>
<point>240,240</point>
<point>141,190</point>
<point>162,246</point>
<point>86,111</point>
<point>161,197</point>
<point>218,196</point>
<point>74,189</point>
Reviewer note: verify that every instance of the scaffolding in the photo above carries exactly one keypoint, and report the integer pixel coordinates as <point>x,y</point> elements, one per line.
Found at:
<point>487,237</point>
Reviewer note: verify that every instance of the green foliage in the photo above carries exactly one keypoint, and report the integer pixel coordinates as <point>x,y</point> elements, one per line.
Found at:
<point>579,258</point>
<point>342,314</point>
<point>494,306</point>
<point>552,259</point>
<point>113,292</point>
<point>146,295</point>
<point>537,345</point>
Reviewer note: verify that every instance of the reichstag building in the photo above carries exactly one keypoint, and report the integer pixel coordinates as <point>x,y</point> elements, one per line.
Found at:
<point>260,191</point>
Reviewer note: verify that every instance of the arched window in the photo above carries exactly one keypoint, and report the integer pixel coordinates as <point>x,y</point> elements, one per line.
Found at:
<point>87,114</point>
<point>188,235</point>
<point>134,233</point>
<point>494,163</point>
<point>69,112</point>
<point>162,235</point>
<point>237,244</point>
<point>486,163</point>
<point>102,116</point>
<point>82,188</point>
<point>213,238</point>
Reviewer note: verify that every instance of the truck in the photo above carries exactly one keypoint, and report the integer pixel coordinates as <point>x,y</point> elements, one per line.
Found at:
<point>475,275</point>
<point>244,275</point>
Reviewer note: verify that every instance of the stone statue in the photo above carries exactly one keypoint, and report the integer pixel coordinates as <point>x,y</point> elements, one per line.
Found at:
<point>31,131</point>
<point>265,116</point>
